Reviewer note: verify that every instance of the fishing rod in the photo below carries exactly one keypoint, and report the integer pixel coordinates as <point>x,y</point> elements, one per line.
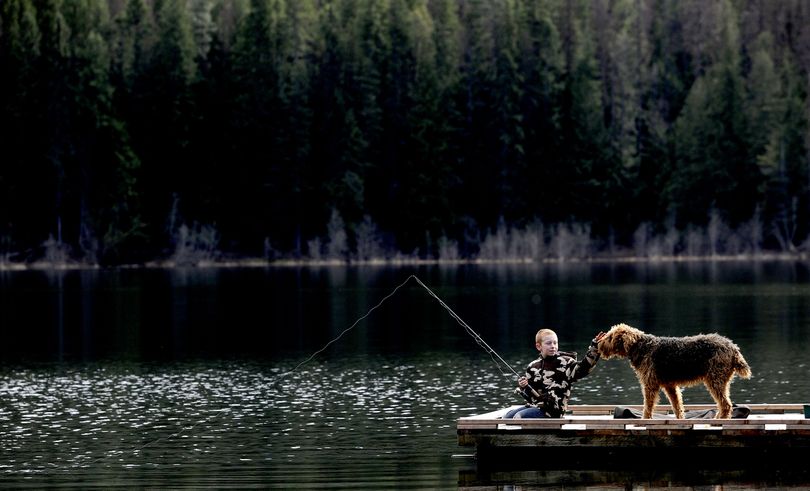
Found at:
<point>478,339</point>
<point>496,358</point>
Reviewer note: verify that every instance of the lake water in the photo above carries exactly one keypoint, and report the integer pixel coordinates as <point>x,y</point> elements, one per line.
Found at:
<point>203,377</point>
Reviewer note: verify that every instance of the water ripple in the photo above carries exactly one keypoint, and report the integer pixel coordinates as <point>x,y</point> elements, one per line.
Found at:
<point>207,423</point>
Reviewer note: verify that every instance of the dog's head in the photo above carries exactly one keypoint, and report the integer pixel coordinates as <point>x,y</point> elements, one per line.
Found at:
<point>618,341</point>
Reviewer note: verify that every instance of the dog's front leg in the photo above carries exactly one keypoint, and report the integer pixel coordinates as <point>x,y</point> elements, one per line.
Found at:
<point>650,399</point>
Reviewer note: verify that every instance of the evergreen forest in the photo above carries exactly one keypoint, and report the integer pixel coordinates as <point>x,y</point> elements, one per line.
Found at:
<point>140,130</point>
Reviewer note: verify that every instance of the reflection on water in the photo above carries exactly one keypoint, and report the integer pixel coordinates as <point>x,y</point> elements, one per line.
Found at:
<point>179,378</point>
<point>383,422</point>
<point>685,475</point>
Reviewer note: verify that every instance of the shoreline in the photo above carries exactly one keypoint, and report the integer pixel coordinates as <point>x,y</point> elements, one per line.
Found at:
<point>401,262</point>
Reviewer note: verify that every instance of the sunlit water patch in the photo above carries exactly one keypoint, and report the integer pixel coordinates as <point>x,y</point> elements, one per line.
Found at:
<point>378,409</point>
<point>373,422</point>
<point>355,421</point>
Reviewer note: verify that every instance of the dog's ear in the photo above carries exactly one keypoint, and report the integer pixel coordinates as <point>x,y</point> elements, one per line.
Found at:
<point>621,346</point>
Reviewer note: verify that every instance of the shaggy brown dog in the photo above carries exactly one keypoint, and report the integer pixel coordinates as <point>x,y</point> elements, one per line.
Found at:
<point>670,363</point>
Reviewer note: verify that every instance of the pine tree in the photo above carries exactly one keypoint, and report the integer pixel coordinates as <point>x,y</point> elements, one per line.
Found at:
<point>783,157</point>
<point>53,94</point>
<point>101,166</point>
<point>715,167</point>
<point>164,90</point>
<point>541,61</point>
<point>24,215</point>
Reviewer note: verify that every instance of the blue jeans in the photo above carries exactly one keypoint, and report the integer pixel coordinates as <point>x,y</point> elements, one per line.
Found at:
<point>526,412</point>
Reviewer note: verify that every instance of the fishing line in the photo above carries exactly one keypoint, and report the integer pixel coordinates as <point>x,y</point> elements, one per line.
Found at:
<point>496,358</point>
<point>478,339</point>
<point>372,309</point>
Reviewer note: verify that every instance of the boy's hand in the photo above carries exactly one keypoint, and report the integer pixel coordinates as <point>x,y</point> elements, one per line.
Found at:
<point>523,381</point>
<point>599,337</point>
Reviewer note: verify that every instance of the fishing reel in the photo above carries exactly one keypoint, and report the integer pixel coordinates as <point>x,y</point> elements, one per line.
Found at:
<point>525,392</point>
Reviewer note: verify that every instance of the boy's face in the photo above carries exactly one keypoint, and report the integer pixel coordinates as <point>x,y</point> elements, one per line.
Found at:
<point>547,345</point>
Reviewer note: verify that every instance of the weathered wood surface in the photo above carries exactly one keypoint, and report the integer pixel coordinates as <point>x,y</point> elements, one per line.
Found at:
<point>597,416</point>
<point>607,409</point>
<point>631,424</point>
<point>777,433</point>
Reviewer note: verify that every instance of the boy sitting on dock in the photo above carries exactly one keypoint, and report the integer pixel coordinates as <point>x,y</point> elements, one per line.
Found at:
<point>547,384</point>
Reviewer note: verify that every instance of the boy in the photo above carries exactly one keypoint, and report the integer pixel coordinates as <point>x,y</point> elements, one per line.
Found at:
<point>547,384</point>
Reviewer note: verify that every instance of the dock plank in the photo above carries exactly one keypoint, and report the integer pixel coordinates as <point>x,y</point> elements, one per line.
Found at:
<point>773,433</point>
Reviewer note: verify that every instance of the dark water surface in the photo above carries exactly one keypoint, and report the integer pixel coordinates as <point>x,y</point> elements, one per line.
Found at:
<point>181,378</point>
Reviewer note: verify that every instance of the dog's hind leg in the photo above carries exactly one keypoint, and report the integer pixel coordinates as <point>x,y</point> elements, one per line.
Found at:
<point>650,400</point>
<point>720,391</point>
<point>673,393</point>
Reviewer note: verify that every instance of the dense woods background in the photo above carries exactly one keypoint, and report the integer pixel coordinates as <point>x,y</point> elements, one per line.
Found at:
<point>134,130</point>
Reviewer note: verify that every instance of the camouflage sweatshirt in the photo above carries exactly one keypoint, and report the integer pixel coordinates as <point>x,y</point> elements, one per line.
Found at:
<point>551,377</point>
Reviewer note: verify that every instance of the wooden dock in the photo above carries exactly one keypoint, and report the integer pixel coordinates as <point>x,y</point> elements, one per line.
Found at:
<point>589,436</point>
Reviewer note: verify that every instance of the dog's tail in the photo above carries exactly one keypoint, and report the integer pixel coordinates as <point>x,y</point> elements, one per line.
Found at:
<point>741,367</point>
